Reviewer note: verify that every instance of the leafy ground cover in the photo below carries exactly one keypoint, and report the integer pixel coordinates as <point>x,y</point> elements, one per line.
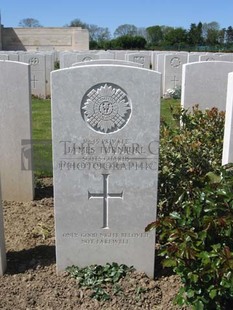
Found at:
<point>195,208</point>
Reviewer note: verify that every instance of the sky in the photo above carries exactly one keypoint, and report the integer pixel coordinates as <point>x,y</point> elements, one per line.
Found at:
<point>113,13</point>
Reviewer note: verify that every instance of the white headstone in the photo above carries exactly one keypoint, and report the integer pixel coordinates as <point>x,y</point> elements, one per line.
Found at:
<point>4,56</point>
<point>105,156</point>
<point>109,62</point>
<point>49,67</point>
<point>105,55</point>
<point>208,57</point>
<point>120,55</point>
<point>140,58</point>
<point>205,84</point>
<point>38,72</point>
<point>68,59</point>
<point>172,76</point>
<point>2,241</point>
<point>228,132</point>
<point>154,60</point>
<point>13,56</point>
<point>193,57</point>
<point>15,132</point>
<point>160,63</point>
<point>226,57</point>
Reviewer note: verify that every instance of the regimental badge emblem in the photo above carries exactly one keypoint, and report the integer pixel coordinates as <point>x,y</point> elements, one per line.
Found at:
<point>175,62</point>
<point>106,108</point>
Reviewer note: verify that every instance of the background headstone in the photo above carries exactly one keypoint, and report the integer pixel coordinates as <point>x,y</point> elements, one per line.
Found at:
<point>68,59</point>
<point>50,59</point>
<point>205,84</point>
<point>105,55</point>
<point>208,57</point>
<point>172,77</point>
<point>15,132</point>
<point>193,57</point>
<point>228,132</point>
<point>37,64</point>
<point>4,56</point>
<point>105,150</point>
<point>2,240</point>
<point>140,58</point>
<point>109,62</point>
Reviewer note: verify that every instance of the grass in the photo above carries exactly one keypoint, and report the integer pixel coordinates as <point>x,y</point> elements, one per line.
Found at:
<point>166,106</point>
<point>42,137</point>
<point>41,119</point>
<point>41,132</point>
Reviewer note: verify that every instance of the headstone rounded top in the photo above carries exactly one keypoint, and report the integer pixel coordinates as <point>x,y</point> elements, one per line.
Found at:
<point>106,108</point>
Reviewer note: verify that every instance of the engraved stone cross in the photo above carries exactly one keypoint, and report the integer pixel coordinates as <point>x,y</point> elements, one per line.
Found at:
<point>34,80</point>
<point>174,80</point>
<point>105,196</point>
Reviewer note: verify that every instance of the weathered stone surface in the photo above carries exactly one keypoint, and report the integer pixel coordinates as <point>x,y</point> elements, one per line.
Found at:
<point>2,241</point>
<point>15,132</point>
<point>105,146</point>
<point>228,132</point>
<point>205,83</point>
<point>109,62</point>
<point>45,38</point>
<point>172,77</point>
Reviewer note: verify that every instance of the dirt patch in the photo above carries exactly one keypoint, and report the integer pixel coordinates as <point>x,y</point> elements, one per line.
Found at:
<point>31,281</point>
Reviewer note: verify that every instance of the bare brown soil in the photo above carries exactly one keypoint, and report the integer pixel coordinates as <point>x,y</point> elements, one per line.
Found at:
<point>31,281</point>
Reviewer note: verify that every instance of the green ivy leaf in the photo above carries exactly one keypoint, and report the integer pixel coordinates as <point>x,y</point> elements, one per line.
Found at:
<point>213,293</point>
<point>175,215</point>
<point>169,263</point>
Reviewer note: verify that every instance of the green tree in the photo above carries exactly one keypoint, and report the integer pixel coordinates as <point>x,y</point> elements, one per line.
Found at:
<point>98,34</point>
<point>141,32</point>
<point>77,23</point>
<point>222,36</point>
<point>29,23</point>
<point>166,29</point>
<point>176,37</point>
<point>210,32</point>
<point>126,29</point>
<point>194,35</point>
<point>229,35</point>
<point>154,35</point>
<point>129,42</point>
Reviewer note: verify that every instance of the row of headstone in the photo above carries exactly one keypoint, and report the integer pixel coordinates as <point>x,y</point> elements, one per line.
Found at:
<point>41,65</point>
<point>169,64</point>
<point>99,151</point>
<point>105,120</point>
<point>67,59</point>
